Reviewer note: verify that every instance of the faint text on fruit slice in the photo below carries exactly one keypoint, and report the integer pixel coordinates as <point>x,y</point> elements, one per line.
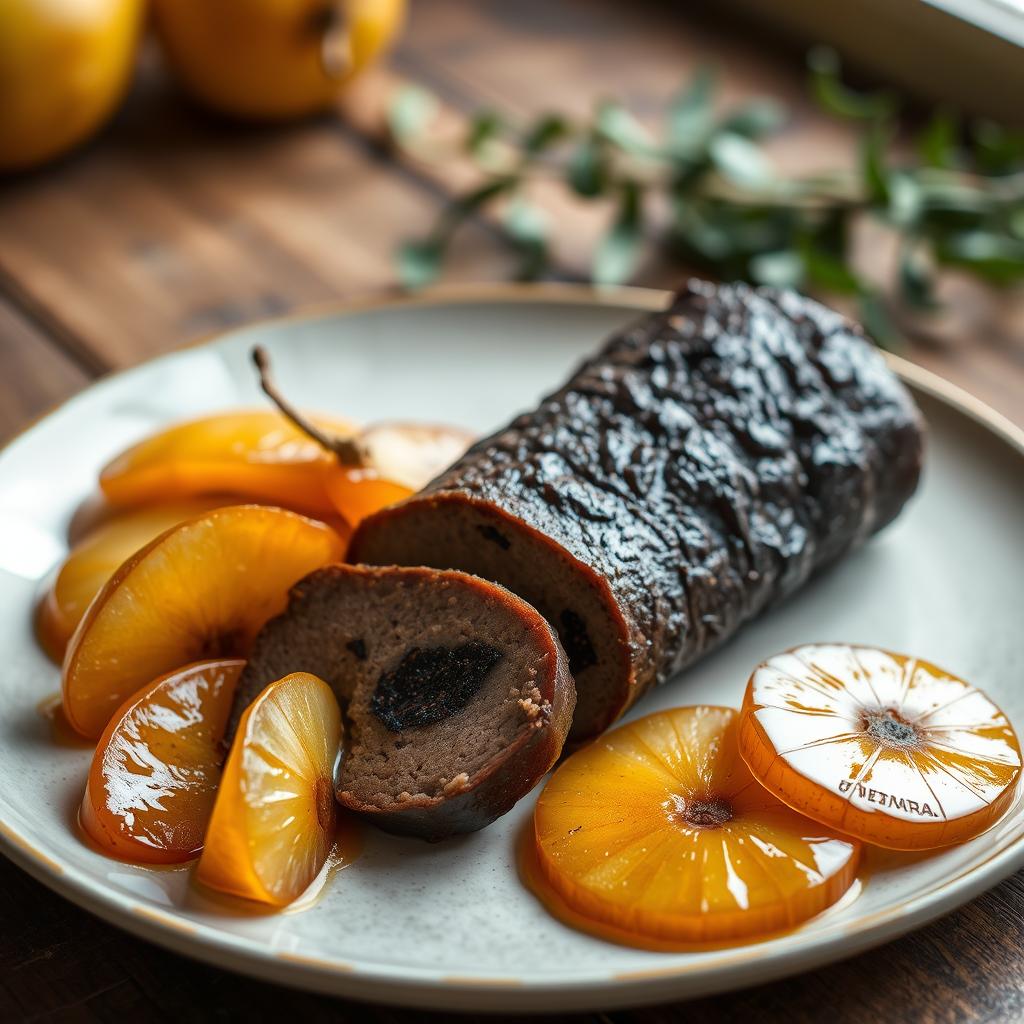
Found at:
<point>887,747</point>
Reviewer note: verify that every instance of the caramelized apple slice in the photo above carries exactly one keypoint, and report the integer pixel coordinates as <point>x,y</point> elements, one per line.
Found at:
<point>398,460</point>
<point>658,833</point>
<point>886,747</point>
<point>273,821</point>
<point>155,772</point>
<point>201,590</point>
<point>93,560</point>
<point>257,456</point>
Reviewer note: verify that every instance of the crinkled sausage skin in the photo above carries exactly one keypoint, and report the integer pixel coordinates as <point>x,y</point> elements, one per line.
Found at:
<point>694,472</point>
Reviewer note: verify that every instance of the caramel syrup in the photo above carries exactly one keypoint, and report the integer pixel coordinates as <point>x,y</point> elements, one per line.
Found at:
<point>61,732</point>
<point>346,850</point>
<point>348,847</point>
<point>87,840</point>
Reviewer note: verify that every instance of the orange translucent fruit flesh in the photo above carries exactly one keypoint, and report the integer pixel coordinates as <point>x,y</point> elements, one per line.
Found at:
<point>95,513</point>
<point>886,747</point>
<point>659,832</point>
<point>93,560</point>
<point>155,772</point>
<point>201,590</point>
<point>257,456</point>
<point>358,493</point>
<point>273,822</point>
<point>402,459</point>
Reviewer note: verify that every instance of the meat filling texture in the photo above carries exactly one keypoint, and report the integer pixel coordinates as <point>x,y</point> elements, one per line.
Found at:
<point>435,681</point>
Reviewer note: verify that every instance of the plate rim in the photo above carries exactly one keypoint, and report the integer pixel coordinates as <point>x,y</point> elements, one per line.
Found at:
<point>425,988</point>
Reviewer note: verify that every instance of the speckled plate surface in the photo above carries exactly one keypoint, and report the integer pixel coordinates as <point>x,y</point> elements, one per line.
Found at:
<point>450,926</point>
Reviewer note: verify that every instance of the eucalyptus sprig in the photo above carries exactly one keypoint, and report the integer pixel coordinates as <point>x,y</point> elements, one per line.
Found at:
<point>954,199</point>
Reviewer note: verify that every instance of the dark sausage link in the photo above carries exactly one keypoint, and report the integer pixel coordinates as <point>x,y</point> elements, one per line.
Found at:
<point>693,473</point>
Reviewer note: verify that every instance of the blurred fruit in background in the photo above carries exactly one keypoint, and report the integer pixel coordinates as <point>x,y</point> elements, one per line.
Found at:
<point>272,59</point>
<point>64,65</point>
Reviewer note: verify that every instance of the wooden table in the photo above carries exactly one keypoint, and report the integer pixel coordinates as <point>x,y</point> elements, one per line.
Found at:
<point>173,225</point>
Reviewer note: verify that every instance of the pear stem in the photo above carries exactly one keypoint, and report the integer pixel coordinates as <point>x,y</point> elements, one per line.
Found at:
<point>347,451</point>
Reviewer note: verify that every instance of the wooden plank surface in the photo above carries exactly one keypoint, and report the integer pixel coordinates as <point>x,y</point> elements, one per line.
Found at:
<point>173,225</point>
<point>35,374</point>
<point>568,55</point>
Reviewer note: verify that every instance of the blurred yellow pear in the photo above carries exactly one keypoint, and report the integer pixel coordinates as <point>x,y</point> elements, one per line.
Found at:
<point>64,64</point>
<point>272,59</point>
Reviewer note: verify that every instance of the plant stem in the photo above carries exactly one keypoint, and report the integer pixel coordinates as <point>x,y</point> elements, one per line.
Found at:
<point>347,451</point>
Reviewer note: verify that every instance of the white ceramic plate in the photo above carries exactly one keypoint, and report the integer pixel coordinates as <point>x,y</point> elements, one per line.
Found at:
<point>450,926</point>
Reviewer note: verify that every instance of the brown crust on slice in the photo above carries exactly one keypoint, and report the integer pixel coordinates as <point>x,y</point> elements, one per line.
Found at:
<point>387,525</point>
<point>312,635</point>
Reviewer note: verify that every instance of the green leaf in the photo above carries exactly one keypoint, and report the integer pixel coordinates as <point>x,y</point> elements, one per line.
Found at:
<point>740,160</point>
<point>410,112</point>
<point>998,259</point>
<point>876,320</point>
<point>527,227</point>
<point>917,281</point>
<point>689,173</point>
<point>760,117</point>
<point>690,114</point>
<point>615,124</point>
<point>586,172</point>
<point>526,223</point>
<point>544,132</point>
<point>469,203</point>
<point>782,269</point>
<point>826,272</point>
<point>830,233</point>
<point>701,234</point>
<point>873,164</point>
<point>485,126</point>
<point>832,95</point>
<point>906,199</point>
<point>618,253</point>
<point>953,205</point>
<point>997,150</point>
<point>419,262</point>
<point>937,144</point>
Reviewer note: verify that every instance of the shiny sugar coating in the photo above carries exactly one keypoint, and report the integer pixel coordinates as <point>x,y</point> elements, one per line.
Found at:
<point>94,559</point>
<point>273,823</point>
<point>201,590</point>
<point>886,747</point>
<point>658,832</point>
<point>155,772</point>
<point>260,456</point>
<point>256,455</point>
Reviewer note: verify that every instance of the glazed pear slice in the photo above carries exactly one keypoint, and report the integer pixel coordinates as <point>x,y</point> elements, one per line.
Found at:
<point>155,772</point>
<point>256,455</point>
<point>95,558</point>
<point>201,590</point>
